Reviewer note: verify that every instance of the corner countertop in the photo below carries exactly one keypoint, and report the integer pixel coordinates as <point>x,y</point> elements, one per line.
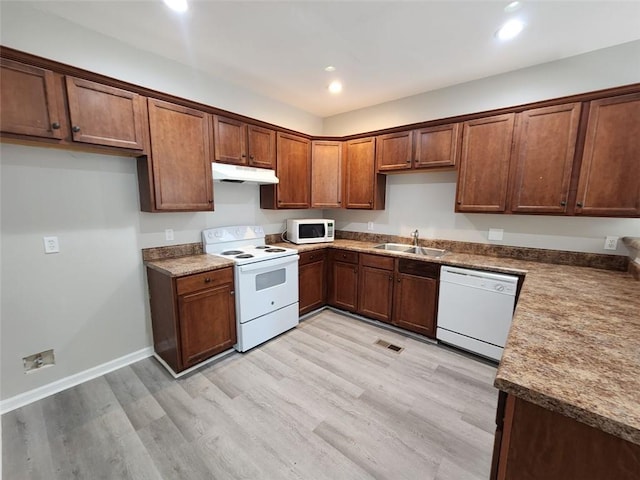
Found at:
<point>574,344</point>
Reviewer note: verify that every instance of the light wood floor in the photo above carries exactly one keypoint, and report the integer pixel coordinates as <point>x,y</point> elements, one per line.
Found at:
<point>319,402</point>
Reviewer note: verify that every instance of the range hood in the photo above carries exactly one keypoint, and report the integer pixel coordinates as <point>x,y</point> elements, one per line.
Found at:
<point>238,174</point>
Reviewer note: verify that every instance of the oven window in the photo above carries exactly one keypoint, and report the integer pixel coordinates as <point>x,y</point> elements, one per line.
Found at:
<point>311,230</point>
<point>270,279</point>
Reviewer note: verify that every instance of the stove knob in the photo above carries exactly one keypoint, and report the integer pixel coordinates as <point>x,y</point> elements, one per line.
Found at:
<point>499,288</point>
<point>218,233</point>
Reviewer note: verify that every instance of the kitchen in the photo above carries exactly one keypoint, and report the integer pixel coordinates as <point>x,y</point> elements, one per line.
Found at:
<point>86,299</point>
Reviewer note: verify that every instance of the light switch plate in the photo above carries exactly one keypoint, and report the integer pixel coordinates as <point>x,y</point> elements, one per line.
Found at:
<point>51,245</point>
<point>496,233</point>
<point>370,226</point>
<point>168,234</point>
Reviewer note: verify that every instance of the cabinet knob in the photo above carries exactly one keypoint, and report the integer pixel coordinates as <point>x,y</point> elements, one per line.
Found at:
<point>243,156</point>
<point>250,157</point>
<point>408,160</point>
<point>459,202</point>
<point>390,278</point>
<point>370,202</point>
<point>579,204</point>
<point>563,203</point>
<point>232,292</point>
<point>355,270</point>
<point>398,279</point>
<point>207,280</point>
<point>75,129</point>
<point>55,125</point>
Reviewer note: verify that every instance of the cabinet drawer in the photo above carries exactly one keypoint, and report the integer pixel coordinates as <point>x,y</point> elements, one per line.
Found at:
<point>312,256</point>
<point>419,269</point>
<point>376,261</point>
<point>199,281</point>
<point>343,256</point>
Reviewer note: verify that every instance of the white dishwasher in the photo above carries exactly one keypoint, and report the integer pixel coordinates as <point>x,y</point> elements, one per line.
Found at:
<point>475,309</point>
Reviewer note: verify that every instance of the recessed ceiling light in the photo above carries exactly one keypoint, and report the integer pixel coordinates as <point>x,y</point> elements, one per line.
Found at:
<point>330,68</point>
<point>177,5</point>
<point>510,29</point>
<point>335,86</point>
<point>513,7</point>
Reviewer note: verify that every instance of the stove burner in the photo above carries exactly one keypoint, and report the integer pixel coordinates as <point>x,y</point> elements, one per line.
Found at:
<point>275,250</point>
<point>262,247</point>
<point>232,252</point>
<point>245,255</point>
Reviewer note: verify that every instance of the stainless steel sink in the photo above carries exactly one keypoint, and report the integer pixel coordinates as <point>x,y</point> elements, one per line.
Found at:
<point>394,247</point>
<point>428,252</point>
<point>404,248</point>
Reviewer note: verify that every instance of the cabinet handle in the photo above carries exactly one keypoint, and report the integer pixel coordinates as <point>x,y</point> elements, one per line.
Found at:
<point>75,129</point>
<point>207,280</point>
<point>563,203</point>
<point>579,204</point>
<point>55,125</point>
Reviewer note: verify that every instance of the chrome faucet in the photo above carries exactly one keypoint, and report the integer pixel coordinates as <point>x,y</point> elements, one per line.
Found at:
<point>415,235</point>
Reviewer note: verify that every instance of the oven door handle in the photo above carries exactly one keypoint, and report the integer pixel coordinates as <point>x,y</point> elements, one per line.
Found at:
<point>269,264</point>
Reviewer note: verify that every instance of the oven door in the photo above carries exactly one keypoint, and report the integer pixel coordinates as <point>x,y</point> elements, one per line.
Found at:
<point>263,287</point>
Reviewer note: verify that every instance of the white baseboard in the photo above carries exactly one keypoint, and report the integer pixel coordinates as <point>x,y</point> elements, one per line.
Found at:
<point>71,381</point>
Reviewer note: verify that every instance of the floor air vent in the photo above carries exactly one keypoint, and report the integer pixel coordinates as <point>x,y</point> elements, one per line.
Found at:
<point>388,345</point>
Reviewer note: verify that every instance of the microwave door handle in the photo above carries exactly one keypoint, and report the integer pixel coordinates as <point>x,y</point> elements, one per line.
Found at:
<point>269,264</point>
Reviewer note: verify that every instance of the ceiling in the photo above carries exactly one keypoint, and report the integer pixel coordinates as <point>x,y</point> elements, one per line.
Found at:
<point>382,50</point>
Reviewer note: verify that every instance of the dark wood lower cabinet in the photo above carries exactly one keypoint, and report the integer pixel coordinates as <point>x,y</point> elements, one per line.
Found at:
<point>376,287</point>
<point>343,280</point>
<point>533,443</point>
<point>193,317</point>
<point>312,281</point>
<point>415,296</point>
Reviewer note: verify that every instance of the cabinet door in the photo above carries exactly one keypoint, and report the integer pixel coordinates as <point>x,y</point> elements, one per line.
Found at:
<point>230,140</point>
<point>364,189</point>
<point>376,293</point>
<point>181,159</point>
<point>29,100</point>
<point>543,158</point>
<point>343,286</point>
<point>103,115</point>
<point>394,151</point>
<point>311,282</point>
<point>437,146</point>
<point>294,171</point>
<point>326,174</point>
<point>484,164</point>
<point>609,182</point>
<point>207,323</point>
<point>415,300</point>
<point>262,147</point>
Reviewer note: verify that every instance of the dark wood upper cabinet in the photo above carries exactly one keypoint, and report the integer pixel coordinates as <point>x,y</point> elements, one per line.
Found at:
<point>180,159</point>
<point>326,174</point>
<point>364,188</point>
<point>609,181</point>
<point>543,158</point>
<point>394,151</point>
<point>425,148</point>
<point>104,115</point>
<point>484,164</point>
<point>437,147</point>
<point>293,169</point>
<point>31,102</point>
<point>239,143</point>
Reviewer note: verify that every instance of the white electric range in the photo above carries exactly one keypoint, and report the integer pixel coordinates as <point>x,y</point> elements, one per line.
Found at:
<point>266,282</point>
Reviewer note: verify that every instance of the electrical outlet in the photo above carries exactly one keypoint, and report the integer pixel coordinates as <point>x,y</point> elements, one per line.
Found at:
<point>611,243</point>
<point>370,226</point>
<point>168,234</point>
<point>495,234</point>
<point>51,245</point>
<point>38,360</point>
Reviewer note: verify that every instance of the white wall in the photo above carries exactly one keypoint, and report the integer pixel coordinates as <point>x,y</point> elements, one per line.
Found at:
<point>426,201</point>
<point>89,301</point>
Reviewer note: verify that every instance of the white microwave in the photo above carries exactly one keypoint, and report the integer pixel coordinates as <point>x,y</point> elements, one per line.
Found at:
<point>310,230</point>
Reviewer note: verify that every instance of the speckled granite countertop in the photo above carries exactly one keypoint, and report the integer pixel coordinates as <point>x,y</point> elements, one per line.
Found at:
<point>188,265</point>
<point>574,345</point>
